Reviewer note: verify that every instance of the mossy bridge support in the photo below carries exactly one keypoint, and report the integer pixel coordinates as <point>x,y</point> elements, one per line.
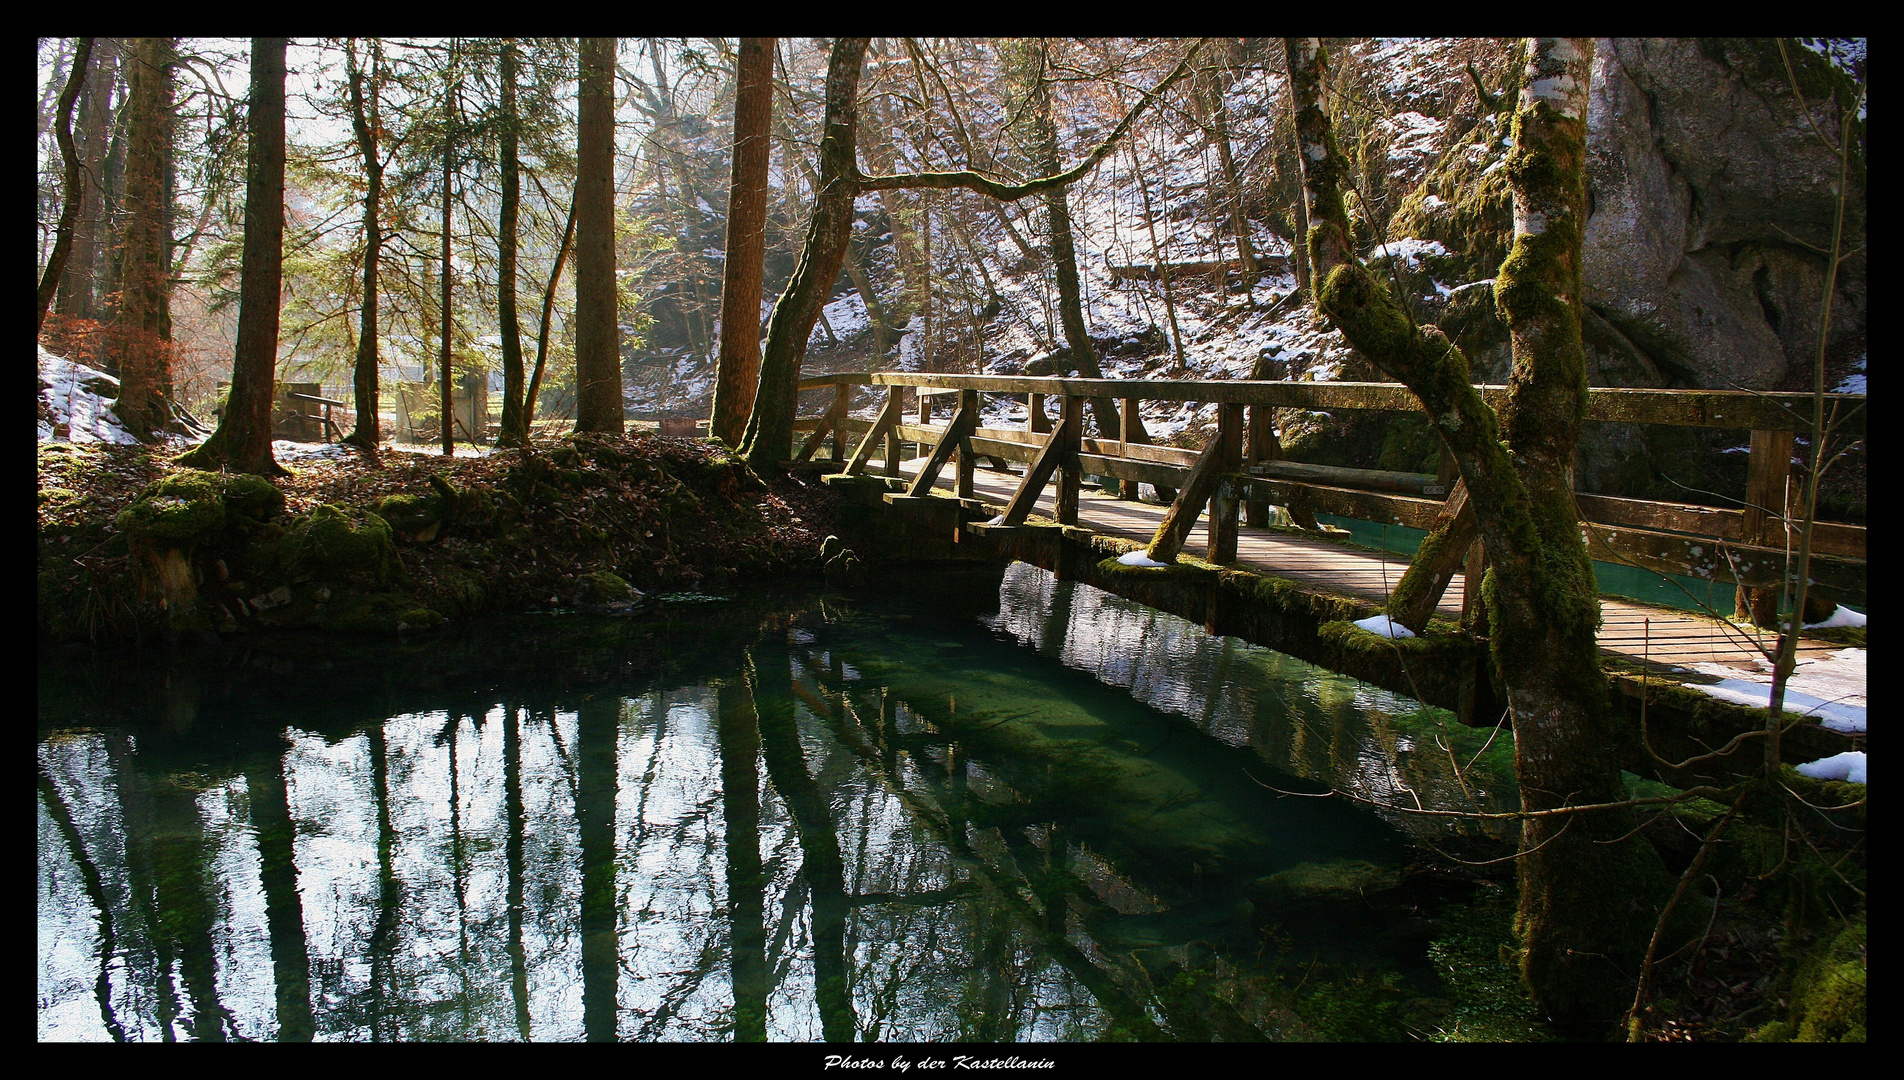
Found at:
<point>1072,509</point>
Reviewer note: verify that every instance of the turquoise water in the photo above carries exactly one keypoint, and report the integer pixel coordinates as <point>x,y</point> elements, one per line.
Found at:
<point>980,805</point>
<point>1633,583</point>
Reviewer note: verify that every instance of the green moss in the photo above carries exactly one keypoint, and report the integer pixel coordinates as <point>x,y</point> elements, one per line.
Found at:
<point>343,542</point>
<point>178,511</point>
<point>1828,993</point>
<point>603,587</point>
<point>379,613</point>
<point>413,517</point>
<point>251,497</point>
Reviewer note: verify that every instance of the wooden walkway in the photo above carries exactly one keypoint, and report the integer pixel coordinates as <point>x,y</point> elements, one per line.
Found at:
<point>1631,631</point>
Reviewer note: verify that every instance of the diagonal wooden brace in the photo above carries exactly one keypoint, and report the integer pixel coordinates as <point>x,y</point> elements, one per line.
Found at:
<point>1062,441</point>
<point>889,415</point>
<point>829,422</point>
<point>1435,562</point>
<point>1220,456</point>
<point>957,434</point>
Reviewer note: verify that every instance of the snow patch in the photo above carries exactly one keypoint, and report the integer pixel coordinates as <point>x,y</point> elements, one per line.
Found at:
<point>1831,688</point>
<point>1844,616</point>
<point>1846,766</point>
<point>1138,558</point>
<point>80,398</point>
<point>1384,627</point>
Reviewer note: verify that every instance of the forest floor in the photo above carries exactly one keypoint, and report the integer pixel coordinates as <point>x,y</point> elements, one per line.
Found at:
<point>506,531</point>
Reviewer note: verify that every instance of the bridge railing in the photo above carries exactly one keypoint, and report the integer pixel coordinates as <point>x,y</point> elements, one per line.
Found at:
<point>1745,545</point>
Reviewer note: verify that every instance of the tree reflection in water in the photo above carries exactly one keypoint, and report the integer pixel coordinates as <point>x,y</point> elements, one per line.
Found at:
<point>1027,811</point>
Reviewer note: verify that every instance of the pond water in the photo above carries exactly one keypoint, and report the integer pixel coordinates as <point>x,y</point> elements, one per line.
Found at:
<point>978,805</point>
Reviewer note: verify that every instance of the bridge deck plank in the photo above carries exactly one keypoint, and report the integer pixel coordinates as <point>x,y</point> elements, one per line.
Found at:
<point>1631,631</point>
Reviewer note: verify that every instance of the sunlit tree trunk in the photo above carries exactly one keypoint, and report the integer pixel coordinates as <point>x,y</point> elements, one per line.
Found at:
<point>738,370</point>
<point>243,438</point>
<point>598,400</point>
<point>73,193</point>
<point>145,377</point>
<point>364,121</point>
<point>770,428</point>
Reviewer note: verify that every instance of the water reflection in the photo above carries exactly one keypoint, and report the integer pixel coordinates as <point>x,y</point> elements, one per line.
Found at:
<point>796,819</point>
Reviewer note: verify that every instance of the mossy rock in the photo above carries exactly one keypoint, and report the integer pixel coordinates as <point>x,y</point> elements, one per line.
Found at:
<point>379,613</point>
<point>602,588</point>
<point>178,511</point>
<point>191,505</point>
<point>340,542</point>
<point>413,518</point>
<point>251,497</point>
<point>1828,994</point>
<point>1340,881</point>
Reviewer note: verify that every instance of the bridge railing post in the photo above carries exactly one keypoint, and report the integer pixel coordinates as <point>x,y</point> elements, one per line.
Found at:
<point>1127,418</point>
<point>1222,527</point>
<point>1767,478</point>
<point>1038,422</point>
<point>1069,480</point>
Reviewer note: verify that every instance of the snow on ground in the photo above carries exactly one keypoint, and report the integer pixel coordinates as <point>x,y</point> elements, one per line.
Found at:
<point>1846,766</point>
<point>1831,689</point>
<point>80,400</point>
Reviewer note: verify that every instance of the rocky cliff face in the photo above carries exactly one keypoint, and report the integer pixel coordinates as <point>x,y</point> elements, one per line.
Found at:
<point>1711,191</point>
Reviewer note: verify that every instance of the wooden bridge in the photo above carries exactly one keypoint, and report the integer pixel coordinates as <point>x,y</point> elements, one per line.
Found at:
<point>1220,496</point>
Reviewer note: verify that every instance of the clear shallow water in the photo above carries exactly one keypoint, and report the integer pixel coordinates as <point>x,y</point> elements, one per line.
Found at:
<point>1001,808</point>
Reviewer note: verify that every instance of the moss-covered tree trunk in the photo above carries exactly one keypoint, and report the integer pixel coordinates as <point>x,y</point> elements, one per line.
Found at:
<point>243,439</point>
<point>1589,891</point>
<point>769,435</point>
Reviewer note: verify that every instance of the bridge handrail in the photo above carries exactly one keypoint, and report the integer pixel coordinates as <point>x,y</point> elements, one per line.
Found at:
<point>1749,409</point>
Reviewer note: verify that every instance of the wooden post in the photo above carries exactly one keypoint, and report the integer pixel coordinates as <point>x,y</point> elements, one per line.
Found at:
<point>1262,447</point>
<point>1766,479</point>
<point>1127,423</point>
<point>1068,477</point>
<point>1039,473</point>
<point>829,423</point>
<point>892,452</point>
<point>1222,530</point>
<point>968,406</point>
<point>1038,421</point>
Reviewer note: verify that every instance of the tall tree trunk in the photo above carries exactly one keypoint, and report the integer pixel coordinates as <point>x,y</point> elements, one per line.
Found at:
<point>73,194</point>
<point>1064,253</point>
<point>598,394</point>
<point>738,370</point>
<point>548,317</point>
<point>446,312</point>
<point>145,380</point>
<point>78,296</point>
<point>243,438</point>
<point>770,428</point>
<point>1589,890</point>
<point>515,430</point>
<point>364,120</point>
